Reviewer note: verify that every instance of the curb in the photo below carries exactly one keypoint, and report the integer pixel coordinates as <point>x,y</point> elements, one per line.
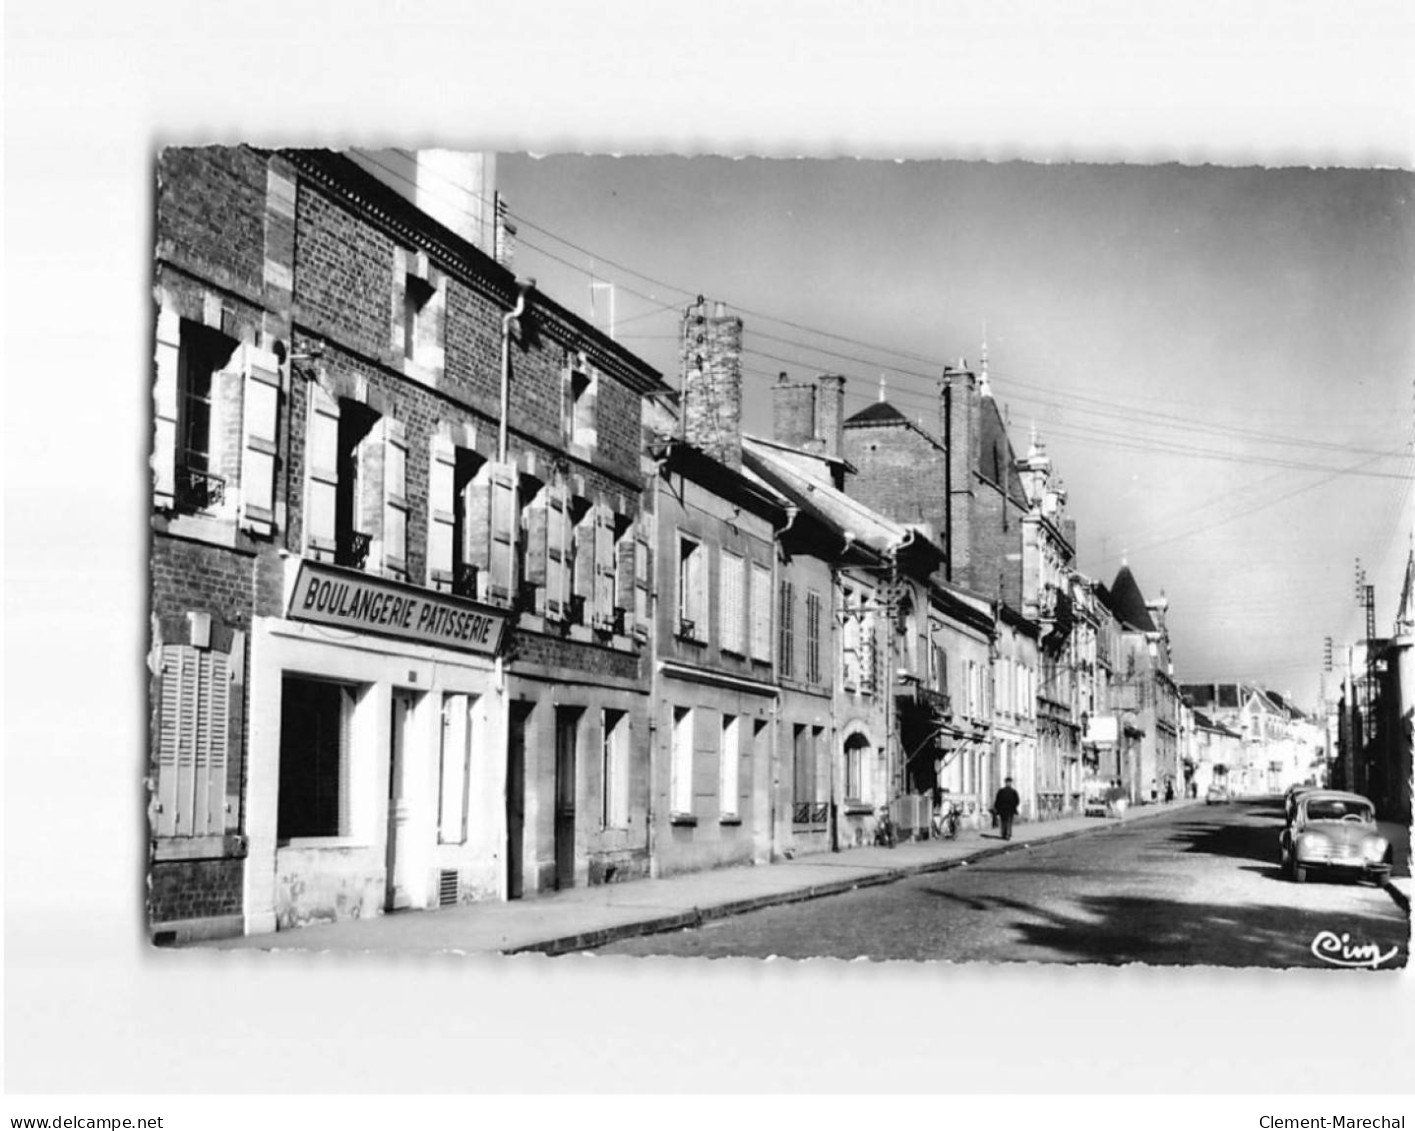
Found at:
<point>1401,899</point>
<point>591,940</point>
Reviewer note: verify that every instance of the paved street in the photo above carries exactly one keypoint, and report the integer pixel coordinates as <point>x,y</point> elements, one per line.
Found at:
<point>1197,886</point>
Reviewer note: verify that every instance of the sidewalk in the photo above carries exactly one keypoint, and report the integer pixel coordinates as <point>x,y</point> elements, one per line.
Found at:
<point>587,917</point>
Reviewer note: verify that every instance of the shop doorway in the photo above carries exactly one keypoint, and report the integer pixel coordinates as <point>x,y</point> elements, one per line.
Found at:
<point>396,895</point>
<point>517,722</point>
<point>567,729</point>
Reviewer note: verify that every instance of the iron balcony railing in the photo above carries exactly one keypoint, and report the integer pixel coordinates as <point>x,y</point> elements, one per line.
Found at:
<point>352,549</point>
<point>810,812</point>
<point>199,490</point>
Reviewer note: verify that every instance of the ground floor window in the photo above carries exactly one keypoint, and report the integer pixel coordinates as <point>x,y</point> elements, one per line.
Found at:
<point>728,764</point>
<point>857,753</point>
<point>806,782</point>
<point>316,717</point>
<point>615,813</point>
<point>681,784</point>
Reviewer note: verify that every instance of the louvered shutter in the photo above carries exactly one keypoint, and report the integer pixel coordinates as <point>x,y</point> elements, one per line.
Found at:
<point>176,738</point>
<point>868,655</point>
<point>395,496</point>
<point>761,613</point>
<point>502,546</point>
<point>164,443</point>
<point>850,644</point>
<point>259,438</point>
<point>557,566</point>
<point>605,566</point>
<point>643,580</point>
<point>209,788</point>
<point>624,583</point>
<point>731,614</point>
<point>441,509</point>
<point>321,470</point>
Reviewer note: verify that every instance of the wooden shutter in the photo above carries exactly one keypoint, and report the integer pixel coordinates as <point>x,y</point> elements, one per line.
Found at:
<point>605,566</point>
<point>321,470</point>
<point>850,644</point>
<point>165,396</point>
<point>476,520</point>
<point>731,616</point>
<point>625,560</point>
<point>643,580</point>
<point>260,418</point>
<point>193,732</point>
<point>761,613</point>
<point>868,655</point>
<point>557,552</point>
<point>501,565</point>
<point>583,557</point>
<point>395,496</point>
<point>441,508</point>
<point>537,534</point>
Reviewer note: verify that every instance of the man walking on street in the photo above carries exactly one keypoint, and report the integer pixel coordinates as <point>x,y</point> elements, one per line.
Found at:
<point>1005,805</point>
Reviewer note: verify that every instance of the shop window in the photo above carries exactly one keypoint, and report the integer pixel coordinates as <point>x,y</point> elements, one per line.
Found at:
<point>692,589</point>
<point>356,510</point>
<point>786,622</point>
<point>615,764</point>
<point>316,719</point>
<point>729,765</point>
<point>731,605</point>
<point>681,765</point>
<point>761,613</point>
<point>192,742</point>
<point>455,768</point>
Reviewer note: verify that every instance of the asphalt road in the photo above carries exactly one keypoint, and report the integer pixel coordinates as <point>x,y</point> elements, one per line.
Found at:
<point>1200,886</point>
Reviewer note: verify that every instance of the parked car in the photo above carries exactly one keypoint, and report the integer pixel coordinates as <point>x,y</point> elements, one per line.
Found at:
<point>1289,801</point>
<point>1217,795</point>
<point>1335,832</point>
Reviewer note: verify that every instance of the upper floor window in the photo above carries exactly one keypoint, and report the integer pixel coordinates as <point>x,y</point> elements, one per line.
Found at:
<point>581,397</point>
<point>356,504</point>
<point>692,589</point>
<point>419,313</point>
<point>417,300</point>
<point>217,404</point>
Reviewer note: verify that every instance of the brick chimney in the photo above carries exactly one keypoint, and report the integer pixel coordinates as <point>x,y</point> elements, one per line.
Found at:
<point>793,412</point>
<point>958,409</point>
<point>712,382</point>
<point>830,413</point>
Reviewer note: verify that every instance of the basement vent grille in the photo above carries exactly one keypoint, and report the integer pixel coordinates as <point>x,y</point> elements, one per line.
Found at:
<point>447,888</point>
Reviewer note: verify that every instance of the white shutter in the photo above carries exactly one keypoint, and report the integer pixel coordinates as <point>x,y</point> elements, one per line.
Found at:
<point>557,550</point>
<point>606,567</point>
<point>456,745</point>
<point>643,579</point>
<point>209,793</point>
<point>731,614</point>
<point>501,565</point>
<point>259,440</point>
<point>395,497</point>
<point>761,612</point>
<point>441,510</point>
<point>321,471</point>
<point>164,394</point>
<point>192,738</point>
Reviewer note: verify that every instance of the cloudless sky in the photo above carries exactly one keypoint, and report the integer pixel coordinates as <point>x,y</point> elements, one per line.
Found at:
<point>1218,360</point>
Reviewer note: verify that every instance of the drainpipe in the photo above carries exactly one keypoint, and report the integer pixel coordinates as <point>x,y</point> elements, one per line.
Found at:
<point>525,288</point>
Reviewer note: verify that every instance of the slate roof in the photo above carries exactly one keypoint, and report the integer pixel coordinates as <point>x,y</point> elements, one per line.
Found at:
<point>1128,603</point>
<point>880,412</point>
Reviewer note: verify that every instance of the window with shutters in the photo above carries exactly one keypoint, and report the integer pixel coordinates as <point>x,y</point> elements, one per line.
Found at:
<point>452,505</point>
<point>692,590</point>
<point>316,718</point>
<point>614,813</point>
<point>192,742</point>
<point>761,613</point>
<point>729,764</point>
<point>731,603</point>
<point>594,564</point>
<point>681,765</point>
<point>216,413</point>
<point>455,768</point>
<point>786,621</point>
<point>813,636</point>
<point>581,396</point>
<point>548,565</point>
<point>356,496</point>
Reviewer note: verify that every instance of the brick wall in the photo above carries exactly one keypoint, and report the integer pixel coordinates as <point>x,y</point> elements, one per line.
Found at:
<point>793,412</point>
<point>195,575</point>
<point>343,276</point>
<point>900,473</point>
<point>193,889</point>
<point>211,214</point>
<point>712,384</point>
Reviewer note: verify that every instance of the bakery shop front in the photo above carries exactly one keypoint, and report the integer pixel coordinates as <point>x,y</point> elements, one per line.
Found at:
<point>377,776</point>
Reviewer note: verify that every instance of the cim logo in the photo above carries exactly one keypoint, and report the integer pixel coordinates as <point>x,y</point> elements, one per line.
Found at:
<point>1338,950</point>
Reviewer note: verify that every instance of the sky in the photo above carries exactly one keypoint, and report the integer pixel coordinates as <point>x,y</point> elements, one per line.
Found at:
<point>1219,360</point>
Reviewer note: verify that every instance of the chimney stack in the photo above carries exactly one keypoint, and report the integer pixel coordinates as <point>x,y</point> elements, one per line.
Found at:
<point>793,412</point>
<point>712,382</point>
<point>830,413</point>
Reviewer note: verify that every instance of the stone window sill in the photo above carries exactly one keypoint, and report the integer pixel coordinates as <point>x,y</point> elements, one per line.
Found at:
<point>687,820</point>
